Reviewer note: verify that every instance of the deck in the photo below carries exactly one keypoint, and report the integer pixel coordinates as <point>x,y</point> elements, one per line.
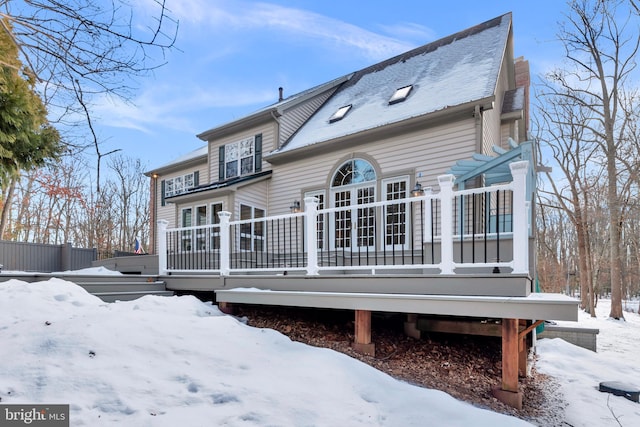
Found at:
<point>463,253</point>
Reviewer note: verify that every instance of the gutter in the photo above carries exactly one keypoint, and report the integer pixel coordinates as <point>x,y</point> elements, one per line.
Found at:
<point>239,125</point>
<point>174,167</point>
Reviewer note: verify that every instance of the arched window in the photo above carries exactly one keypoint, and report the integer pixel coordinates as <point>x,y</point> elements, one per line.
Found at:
<point>355,171</point>
<point>353,185</point>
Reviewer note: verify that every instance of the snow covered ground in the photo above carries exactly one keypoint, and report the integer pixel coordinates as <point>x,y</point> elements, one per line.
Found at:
<point>579,371</point>
<point>176,361</point>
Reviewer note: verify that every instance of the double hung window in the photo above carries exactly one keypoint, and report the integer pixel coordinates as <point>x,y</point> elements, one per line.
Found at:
<point>251,232</point>
<point>240,158</point>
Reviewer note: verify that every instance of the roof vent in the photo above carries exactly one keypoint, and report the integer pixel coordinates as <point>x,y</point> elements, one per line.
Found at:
<point>400,94</point>
<point>280,94</point>
<point>339,115</point>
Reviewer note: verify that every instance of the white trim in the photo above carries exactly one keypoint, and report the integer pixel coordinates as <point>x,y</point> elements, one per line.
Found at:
<point>171,184</point>
<point>407,213</point>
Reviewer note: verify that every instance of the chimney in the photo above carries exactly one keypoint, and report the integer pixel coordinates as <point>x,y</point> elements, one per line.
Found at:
<point>280,98</point>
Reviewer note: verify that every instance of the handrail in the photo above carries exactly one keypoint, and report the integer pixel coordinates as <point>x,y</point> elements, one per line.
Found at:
<point>452,219</point>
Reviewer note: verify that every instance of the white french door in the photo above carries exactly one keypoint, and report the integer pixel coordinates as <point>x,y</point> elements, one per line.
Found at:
<point>354,228</point>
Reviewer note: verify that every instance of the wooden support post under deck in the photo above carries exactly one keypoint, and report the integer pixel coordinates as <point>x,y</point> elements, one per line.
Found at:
<point>525,345</point>
<point>523,354</point>
<point>509,393</point>
<point>225,307</point>
<point>362,341</point>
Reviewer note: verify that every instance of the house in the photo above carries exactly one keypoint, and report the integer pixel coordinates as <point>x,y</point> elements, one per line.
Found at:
<point>308,201</point>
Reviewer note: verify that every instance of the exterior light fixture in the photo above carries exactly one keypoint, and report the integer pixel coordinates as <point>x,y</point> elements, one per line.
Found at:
<point>417,190</point>
<point>295,206</point>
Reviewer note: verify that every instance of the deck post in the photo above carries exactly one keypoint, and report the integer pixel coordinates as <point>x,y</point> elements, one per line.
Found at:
<point>311,231</point>
<point>446,226</point>
<point>520,218</point>
<point>162,246</point>
<point>427,220</point>
<point>362,342</point>
<point>509,393</point>
<point>225,242</point>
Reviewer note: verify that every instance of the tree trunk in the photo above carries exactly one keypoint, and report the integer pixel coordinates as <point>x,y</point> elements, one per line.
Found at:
<point>6,208</point>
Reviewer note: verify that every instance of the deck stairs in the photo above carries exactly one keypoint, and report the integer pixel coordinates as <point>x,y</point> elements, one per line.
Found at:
<point>122,288</point>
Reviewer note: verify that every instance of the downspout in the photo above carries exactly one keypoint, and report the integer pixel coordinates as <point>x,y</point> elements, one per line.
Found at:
<point>477,114</point>
<point>153,243</point>
<point>276,116</point>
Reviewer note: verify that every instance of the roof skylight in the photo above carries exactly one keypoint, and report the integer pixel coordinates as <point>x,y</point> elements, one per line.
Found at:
<point>400,94</point>
<point>339,115</point>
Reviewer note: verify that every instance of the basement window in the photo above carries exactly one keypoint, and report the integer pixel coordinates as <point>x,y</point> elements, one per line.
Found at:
<point>339,115</point>
<point>400,94</point>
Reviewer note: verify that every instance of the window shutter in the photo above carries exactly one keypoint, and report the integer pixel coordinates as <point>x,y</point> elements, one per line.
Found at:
<point>196,178</point>
<point>258,148</point>
<point>221,163</point>
<point>162,202</point>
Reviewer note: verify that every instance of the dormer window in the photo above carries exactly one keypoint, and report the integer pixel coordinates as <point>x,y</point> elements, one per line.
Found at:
<point>240,158</point>
<point>400,94</point>
<point>339,115</point>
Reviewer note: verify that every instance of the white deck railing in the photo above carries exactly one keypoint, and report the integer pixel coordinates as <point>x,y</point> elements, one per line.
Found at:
<point>448,232</point>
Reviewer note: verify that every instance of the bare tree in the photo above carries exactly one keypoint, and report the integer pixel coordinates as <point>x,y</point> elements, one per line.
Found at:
<point>131,190</point>
<point>601,42</point>
<point>93,43</point>
<point>563,130</point>
<point>82,50</point>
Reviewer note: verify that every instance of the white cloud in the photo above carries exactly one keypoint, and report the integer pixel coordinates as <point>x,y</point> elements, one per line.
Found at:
<point>174,108</point>
<point>411,31</point>
<point>215,29</point>
<point>243,16</point>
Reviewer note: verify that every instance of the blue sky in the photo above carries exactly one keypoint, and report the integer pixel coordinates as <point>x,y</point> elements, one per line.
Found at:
<point>233,55</point>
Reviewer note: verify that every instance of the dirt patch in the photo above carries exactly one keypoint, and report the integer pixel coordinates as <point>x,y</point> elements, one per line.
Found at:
<point>464,366</point>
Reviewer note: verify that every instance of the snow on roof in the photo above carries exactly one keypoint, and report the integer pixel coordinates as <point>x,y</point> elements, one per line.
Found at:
<point>513,100</point>
<point>202,151</point>
<point>458,69</point>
